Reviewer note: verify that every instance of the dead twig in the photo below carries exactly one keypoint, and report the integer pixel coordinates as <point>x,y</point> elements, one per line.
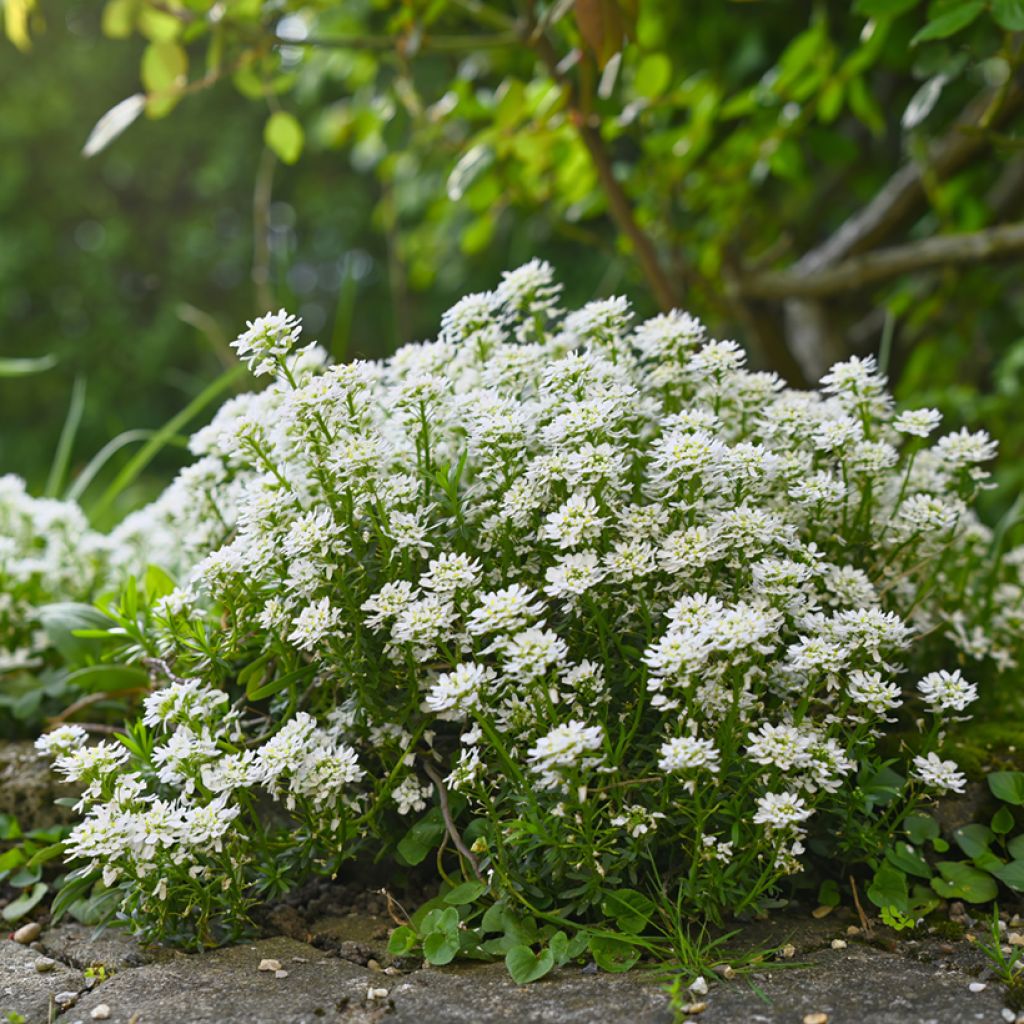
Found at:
<point>449,823</point>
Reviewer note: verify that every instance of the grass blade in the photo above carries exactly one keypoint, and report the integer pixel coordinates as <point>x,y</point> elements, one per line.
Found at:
<point>62,456</point>
<point>142,458</point>
<point>24,367</point>
<point>107,452</point>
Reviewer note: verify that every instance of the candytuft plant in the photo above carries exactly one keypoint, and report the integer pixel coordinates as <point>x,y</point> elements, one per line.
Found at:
<point>587,610</point>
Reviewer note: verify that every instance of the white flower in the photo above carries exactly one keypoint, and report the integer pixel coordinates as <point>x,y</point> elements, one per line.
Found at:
<point>459,691</point>
<point>869,689</point>
<point>935,773</point>
<point>63,740</point>
<point>686,753</point>
<point>575,522</point>
<point>781,811</point>
<point>504,610</point>
<point>573,575</point>
<point>314,624</point>
<point>410,795</point>
<point>565,747</point>
<point>947,691</point>
<point>267,341</point>
<point>918,422</point>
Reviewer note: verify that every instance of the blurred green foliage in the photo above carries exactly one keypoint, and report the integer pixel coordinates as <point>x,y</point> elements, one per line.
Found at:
<point>367,162</point>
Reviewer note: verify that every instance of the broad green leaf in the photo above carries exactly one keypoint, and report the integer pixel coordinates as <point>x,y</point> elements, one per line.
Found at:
<point>950,22</point>
<point>1008,786</point>
<point>889,887</point>
<point>883,8</point>
<point>1009,14</point>
<point>1015,847</point>
<point>98,678</point>
<point>974,839</point>
<point>525,966</point>
<point>402,940</point>
<point>1002,821</point>
<point>156,583</point>
<point>284,135</point>
<point>828,893</point>
<point>653,75</point>
<point>613,955</point>
<point>631,910</point>
<point>63,619</point>
<point>920,828</point>
<point>961,881</point>
<point>465,893</point>
<point>908,859</point>
<point>1011,874</point>
<point>118,21</point>
<point>19,907</point>
<point>440,948</point>
<point>164,67</point>
<point>422,837</point>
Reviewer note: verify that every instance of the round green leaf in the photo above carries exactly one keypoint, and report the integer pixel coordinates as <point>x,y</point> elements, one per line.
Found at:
<point>1008,786</point>
<point>284,135</point>
<point>653,75</point>
<point>1009,14</point>
<point>613,955</point>
<point>960,881</point>
<point>525,966</point>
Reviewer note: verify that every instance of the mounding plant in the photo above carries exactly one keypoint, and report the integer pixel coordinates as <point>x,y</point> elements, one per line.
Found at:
<point>587,609</point>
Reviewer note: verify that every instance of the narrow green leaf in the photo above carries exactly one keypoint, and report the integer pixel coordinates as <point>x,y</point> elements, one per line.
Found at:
<point>949,23</point>
<point>19,907</point>
<point>26,367</point>
<point>62,456</point>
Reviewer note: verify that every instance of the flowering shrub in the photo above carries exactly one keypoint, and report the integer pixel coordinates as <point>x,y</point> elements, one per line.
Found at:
<point>634,615</point>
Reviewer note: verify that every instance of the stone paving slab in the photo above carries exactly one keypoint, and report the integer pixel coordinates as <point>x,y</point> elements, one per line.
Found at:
<point>26,992</point>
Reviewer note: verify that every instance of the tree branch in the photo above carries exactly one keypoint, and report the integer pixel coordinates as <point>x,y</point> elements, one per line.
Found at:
<point>883,264</point>
<point>904,192</point>
<point>619,206</point>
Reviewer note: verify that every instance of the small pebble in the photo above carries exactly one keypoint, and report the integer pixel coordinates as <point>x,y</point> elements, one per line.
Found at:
<point>700,986</point>
<point>816,1018</point>
<point>373,965</point>
<point>977,986</point>
<point>692,1009</point>
<point>853,929</point>
<point>376,993</point>
<point>725,971</point>
<point>839,943</point>
<point>822,911</point>
<point>788,951</point>
<point>392,971</point>
<point>1016,939</point>
<point>269,965</point>
<point>1008,1015</point>
<point>65,999</point>
<point>44,964</point>
<point>280,974</point>
<point>27,933</point>
<point>101,1012</point>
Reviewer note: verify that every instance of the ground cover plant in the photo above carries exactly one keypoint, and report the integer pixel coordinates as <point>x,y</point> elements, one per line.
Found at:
<point>609,624</point>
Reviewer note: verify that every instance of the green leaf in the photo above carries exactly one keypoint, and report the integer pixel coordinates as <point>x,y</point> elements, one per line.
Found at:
<point>1002,821</point>
<point>47,853</point>
<point>974,839</point>
<point>284,135</point>
<point>949,23</point>
<point>1011,874</point>
<point>465,893</point>
<point>828,893</point>
<point>156,583</point>
<point>653,74</point>
<point>164,67</point>
<point>76,885</point>
<point>1015,847</point>
<point>1008,786</point>
<point>631,910</point>
<point>920,828</point>
<point>883,8</point>
<point>110,678</point>
<point>282,682</point>
<point>25,902</point>
<point>62,456</point>
<point>63,619</point>
<point>1009,14</point>
<point>422,837</point>
<point>440,948</point>
<point>908,859</point>
<point>525,966</point>
<point>26,367</point>
<point>961,881</point>
<point>613,955</point>
<point>889,887</point>
<point>402,940</point>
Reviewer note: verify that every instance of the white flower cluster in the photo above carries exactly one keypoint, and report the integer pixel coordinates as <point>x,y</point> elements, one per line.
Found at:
<point>597,572</point>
